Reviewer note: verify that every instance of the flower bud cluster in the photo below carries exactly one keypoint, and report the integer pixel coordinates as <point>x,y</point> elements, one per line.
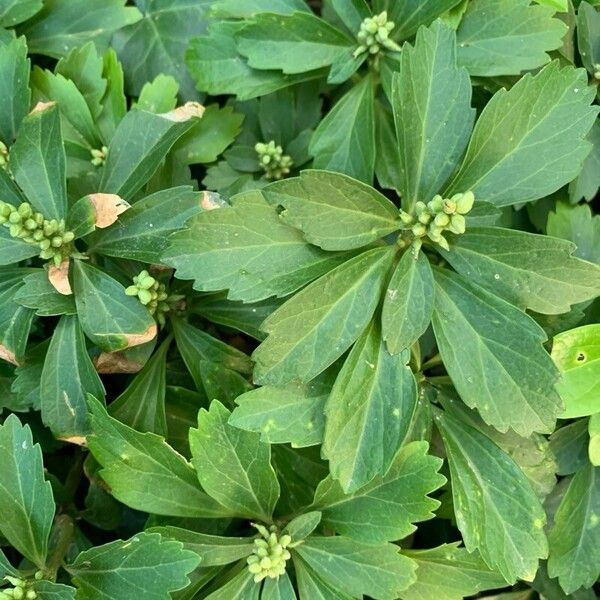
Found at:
<point>99,156</point>
<point>4,156</point>
<point>270,554</point>
<point>597,71</point>
<point>273,161</point>
<point>438,216</point>
<point>54,242</point>
<point>374,35</point>
<point>20,590</point>
<point>153,295</point>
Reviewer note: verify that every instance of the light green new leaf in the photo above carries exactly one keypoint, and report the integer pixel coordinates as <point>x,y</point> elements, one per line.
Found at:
<point>449,572</point>
<point>233,466</point>
<point>496,509</point>
<point>140,144</point>
<point>588,36</point>
<point>506,37</point>
<point>66,24</point>
<point>432,110</point>
<point>15,96</point>
<point>493,352</point>
<point>292,414</point>
<point>338,307</point>
<point>334,211</point>
<point>141,232</point>
<point>37,161</point>
<point>110,318</point>
<point>576,223</point>
<point>213,550</point>
<point>156,43</point>
<point>532,271</point>
<point>25,496</point>
<point>358,569</point>
<point>291,43</point>
<point>408,302</point>
<point>369,411</point>
<point>142,404</point>
<point>145,565</point>
<point>409,15</point>
<point>135,462</point>
<point>248,249</point>
<point>68,375</point>
<point>301,527</point>
<point>386,508</point>
<point>575,536</point>
<point>577,355</point>
<point>13,12</point>
<point>39,294</point>
<point>159,95</point>
<point>529,141</point>
<point>344,140</point>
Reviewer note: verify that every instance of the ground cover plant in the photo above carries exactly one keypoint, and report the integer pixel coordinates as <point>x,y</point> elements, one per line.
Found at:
<point>299,300</point>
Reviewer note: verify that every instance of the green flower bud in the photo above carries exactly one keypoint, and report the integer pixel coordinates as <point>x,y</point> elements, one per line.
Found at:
<point>457,224</point>
<point>147,282</point>
<point>465,203</point>
<point>47,254</point>
<point>419,230</point>
<point>45,244</point>
<point>132,290</point>
<point>406,218</point>
<point>441,220</point>
<point>443,243</point>
<point>68,236</point>
<point>18,593</point>
<point>285,540</point>
<point>424,218</point>
<point>145,296</point>
<point>15,230</point>
<point>14,217</point>
<point>449,207</point>
<point>39,575</point>
<point>420,207</point>
<point>255,568</point>
<point>57,258</point>
<point>31,595</point>
<point>56,242</point>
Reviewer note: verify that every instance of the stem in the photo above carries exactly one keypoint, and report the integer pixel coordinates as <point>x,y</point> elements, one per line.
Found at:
<point>432,362</point>
<point>65,529</point>
<point>443,379</point>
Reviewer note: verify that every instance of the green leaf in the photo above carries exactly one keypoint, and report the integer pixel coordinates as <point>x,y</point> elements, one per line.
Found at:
<point>335,212</point>
<point>506,37</point>
<point>588,33</point>
<point>142,404</point>
<point>14,250</point>
<point>301,527</point>
<point>292,414</point>
<point>529,141</point>
<point>278,589</point>
<point>66,24</point>
<point>575,536</point>
<point>291,43</point>
<point>159,95</point>
<point>569,446</point>
<point>576,223</point>
<point>27,378</point>
<point>156,43</point>
<point>248,249</point>
<point>368,412</point>
<point>135,462</point>
<point>409,15</point>
<point>239,587</point>
<point>233,466</point>
<point>338,306</point>
<point>25,496</point>
<point>114,104</point>
<point>587,183</point>
<point>386,508</point>
<point>496,509</point>
<point>577,355</point>
<point>15,95</point>
<point>37,161</point>
<point>40,295</point>
<point>356,568</point>
<point>534,272</point>
<point>13,12</point>
<point>145,565</point>
<point>68,375</point>
<point>449,572</point>
<point>310,585</point>
<point>218,68</point>
<point>110,318</point>
<point>141,232</point>
<point>432,110</point>
<point>213,550</point>
<point>408,302</point>
<point>47,590</point>
<point>493,352</point>
<point>344,141</point>
<point>232,9</point>
<point>139,145</point>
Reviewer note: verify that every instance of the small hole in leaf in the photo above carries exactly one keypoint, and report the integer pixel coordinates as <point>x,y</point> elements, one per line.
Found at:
<point>580,356</point>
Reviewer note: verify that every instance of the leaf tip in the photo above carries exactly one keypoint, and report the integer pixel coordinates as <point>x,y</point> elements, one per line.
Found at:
<point>107,207</point>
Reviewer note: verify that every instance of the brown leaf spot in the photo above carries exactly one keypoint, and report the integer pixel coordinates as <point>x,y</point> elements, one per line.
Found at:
<point>59,278</point>
<point>80,440</point>
<point>115,362</point>
<point>41,107</point>
<point>137,339</point>
<point>184,113</point>
<point>6,354</point>
<point>211,200</point>
<point>108,207</point>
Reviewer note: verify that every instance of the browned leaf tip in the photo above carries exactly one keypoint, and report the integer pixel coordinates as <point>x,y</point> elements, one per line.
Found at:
<point>211,200</point>
<point>79,440</point>
<point>115,362</point>
<point>137,339</point>
<point>184,113</point>
<point>41,107</point>
<point>108,207</point>
<point>6,354</point>
<point>59,278</point>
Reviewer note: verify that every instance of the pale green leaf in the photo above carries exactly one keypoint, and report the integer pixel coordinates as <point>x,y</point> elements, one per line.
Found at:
<point>301,527</point>
<point>334,211</point>
<point>14,94</point>
<point>506,37</point>
<point>493,352</point>
<point>368,411</point>
<point>159,95</point>
<point>25,496</point>
<point>386,508</point>
<point>134,462</point>
<point>529,141</point>
<point>338,307</point>
<point>575,536</point>
<point>233,466</point>
<point>496,509</point>
<point>432,110</point>
<point>145,565</point>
